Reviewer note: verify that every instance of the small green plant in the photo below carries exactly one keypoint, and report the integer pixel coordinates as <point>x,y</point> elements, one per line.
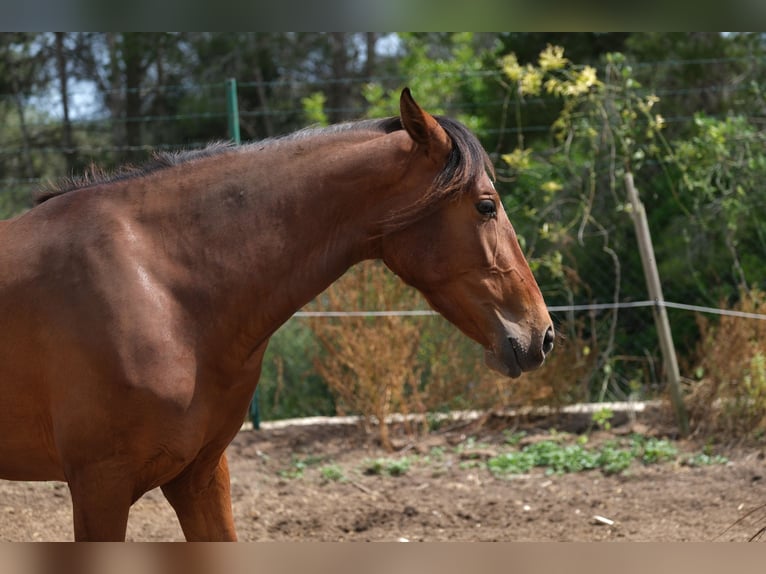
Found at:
<point>612,457</point>
<point>436,454</point>
<point>511,463</point>
<point>469,444</point>
<point>332,473</point>
<point>603,418</point>
<point>387,466</point>
<point>299,465</point>
<point>434,422</point>
<point>513,438</point>
<point>705,459</point>
<point>561,459</point>
<point>658,450</point>
<point>556,458</point>
<point>614,460</point>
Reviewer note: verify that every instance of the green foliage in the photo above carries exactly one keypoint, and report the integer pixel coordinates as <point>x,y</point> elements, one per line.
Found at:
<point>387,466</point>
<point>655,450</point>
<point>511,463</point>
<point>14,201</point>
<point>602,418</point>
<point>721,167</point>
<point>298,466</point>
<point>289,386</point>
<point>568,187</point>
<point>704,459</point>
<point>513,438</point>
<point>440,71</point>
<point>313,107</point>
<point>332,473</point>
<point>611,457</point>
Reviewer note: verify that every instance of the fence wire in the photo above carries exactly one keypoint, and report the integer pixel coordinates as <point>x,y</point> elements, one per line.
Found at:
<point>551,308</point>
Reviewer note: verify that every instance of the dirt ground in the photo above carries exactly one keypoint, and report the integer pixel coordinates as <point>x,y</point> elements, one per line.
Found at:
<point>307,483</point>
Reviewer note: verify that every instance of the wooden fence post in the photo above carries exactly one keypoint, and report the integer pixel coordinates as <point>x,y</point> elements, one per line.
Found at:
<point>660,312</point>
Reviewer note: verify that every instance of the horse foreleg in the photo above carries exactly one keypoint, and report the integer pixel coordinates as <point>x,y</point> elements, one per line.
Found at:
<point>201,497</point>
<point>100,506</point>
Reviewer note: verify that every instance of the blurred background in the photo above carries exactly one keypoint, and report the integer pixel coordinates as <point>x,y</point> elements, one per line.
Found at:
<point>564,116</point>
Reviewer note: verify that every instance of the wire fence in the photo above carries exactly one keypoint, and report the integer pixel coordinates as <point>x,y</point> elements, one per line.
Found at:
<point>622,328</point>
<point>91,114</point>
<point>551,309</point>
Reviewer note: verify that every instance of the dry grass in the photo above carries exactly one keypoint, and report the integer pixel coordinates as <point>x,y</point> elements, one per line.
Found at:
<point>370,363</point>
<point>378,366</point>
<point>729,397</point>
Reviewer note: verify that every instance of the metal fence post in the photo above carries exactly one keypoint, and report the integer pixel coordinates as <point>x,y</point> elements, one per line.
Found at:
<point>232,109</point>
<point>232,112</point>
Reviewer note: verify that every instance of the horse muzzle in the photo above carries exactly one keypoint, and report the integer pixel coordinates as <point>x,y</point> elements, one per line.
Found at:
<point>516,352</point>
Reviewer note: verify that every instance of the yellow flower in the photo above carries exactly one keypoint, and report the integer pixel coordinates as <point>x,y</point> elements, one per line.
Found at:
<point>551,186</point>
<point>531,81</point>
<point>518,159</point>
<point>583,82</point>
<point>552,58</point>
<point>511,67</point>
<point>553,86</point>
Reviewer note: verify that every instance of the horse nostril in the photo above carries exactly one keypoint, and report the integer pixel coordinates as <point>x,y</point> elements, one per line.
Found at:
<point>548,340</point>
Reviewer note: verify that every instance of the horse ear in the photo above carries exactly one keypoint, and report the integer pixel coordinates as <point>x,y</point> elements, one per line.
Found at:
<point>422,126</point>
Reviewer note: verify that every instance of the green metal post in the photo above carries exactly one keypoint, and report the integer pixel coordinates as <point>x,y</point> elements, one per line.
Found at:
<point>232,109</point>
<point>255,410</point>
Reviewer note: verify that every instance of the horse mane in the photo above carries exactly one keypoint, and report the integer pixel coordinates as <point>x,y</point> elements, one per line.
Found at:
<point>94,175</point>
<point>466,162</point>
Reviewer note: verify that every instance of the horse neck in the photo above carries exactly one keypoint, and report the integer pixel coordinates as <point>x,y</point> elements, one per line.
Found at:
<point>276,227</point>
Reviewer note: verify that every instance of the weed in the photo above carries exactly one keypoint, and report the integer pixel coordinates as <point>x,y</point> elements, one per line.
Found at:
<point>614,460</point>
<point>332,473</point>
<point>436,454</point>
<point>387,466</point>
<point>299,465</point>
<point>603,418</point>
<point>658,450</point>
<point>513,438</point>
<point>705,459</point>
<point>610,458</point>
<point>511,463</point>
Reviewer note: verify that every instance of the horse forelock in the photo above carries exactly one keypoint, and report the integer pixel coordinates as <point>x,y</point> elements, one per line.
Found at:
<point>466,163</point>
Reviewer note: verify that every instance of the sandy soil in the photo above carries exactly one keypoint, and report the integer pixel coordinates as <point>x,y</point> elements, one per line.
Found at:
<point>283,489</point>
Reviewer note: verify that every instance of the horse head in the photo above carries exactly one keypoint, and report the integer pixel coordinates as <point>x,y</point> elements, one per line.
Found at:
<point>463,253</point>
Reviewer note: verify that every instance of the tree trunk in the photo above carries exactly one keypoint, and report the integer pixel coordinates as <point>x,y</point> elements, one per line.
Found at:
<point>338,100</point>
<point>132,55</point>
<point>370,64</point>
<point>70,154</point>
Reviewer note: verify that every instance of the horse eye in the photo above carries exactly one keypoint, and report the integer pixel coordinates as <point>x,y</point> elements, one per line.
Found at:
<point>486,207</point>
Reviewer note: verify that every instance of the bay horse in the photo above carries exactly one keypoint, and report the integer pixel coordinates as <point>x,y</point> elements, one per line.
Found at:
<point>136,306</point>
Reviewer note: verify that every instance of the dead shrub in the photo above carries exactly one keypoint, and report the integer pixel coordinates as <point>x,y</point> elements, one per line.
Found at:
<point>564,377</point>
<point>370,363</point>
<point>379,366</point>
<point>729,397</point>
